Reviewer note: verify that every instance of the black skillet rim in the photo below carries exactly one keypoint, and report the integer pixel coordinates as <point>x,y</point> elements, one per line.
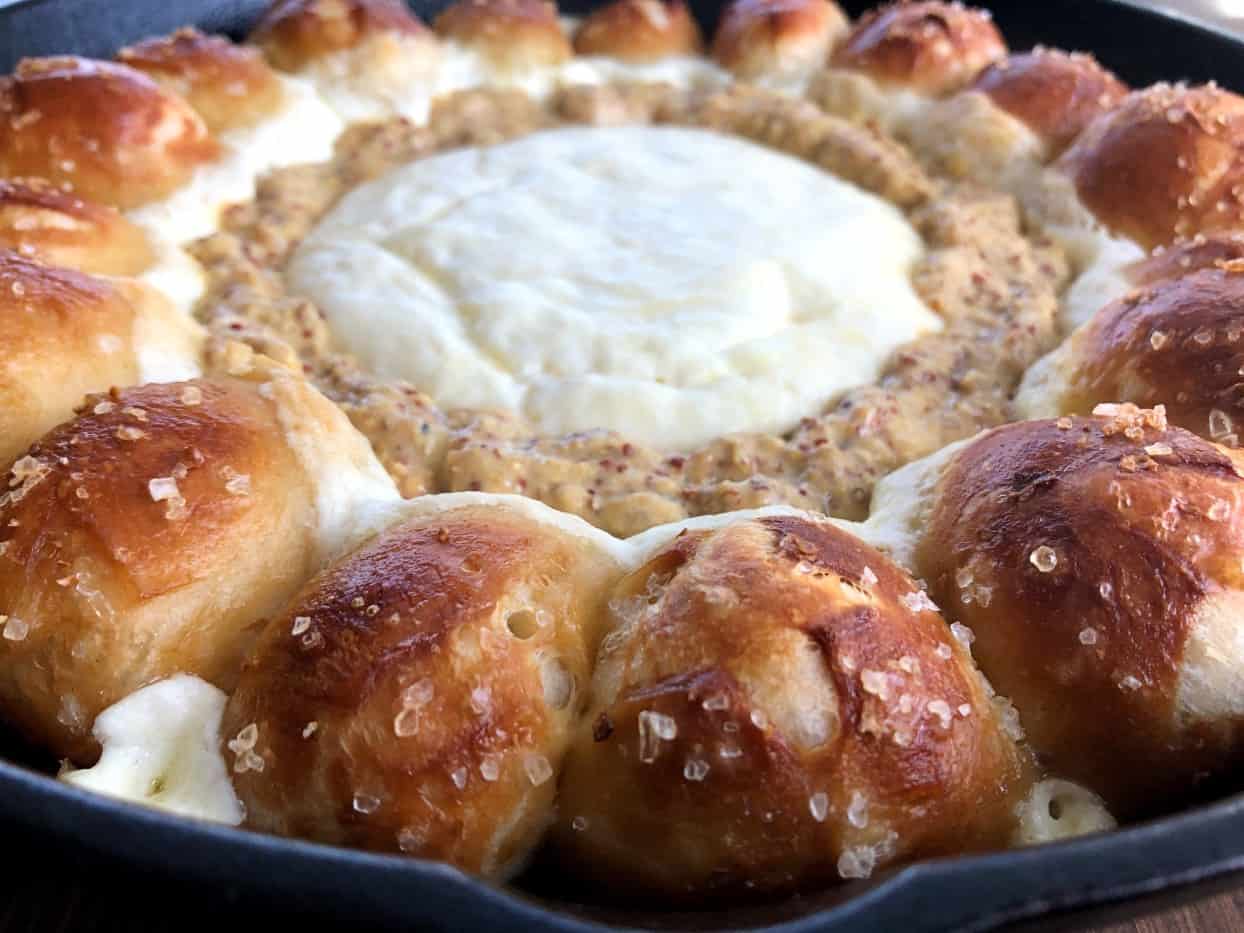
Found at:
<point>970,893</point>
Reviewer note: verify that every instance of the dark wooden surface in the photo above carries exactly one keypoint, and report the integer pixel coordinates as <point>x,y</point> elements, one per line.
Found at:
<point>1222,913</point>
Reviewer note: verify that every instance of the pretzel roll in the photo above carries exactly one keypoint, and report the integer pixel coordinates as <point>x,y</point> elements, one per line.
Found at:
<point>1055,94</point>
<point>511,34</point>
<point>639,31</point>
<point>39,221</point>
<point>777,38</point>
<point>295,33</point>
<point>1202,251</point>
<point>776,705</point>
<point>1178,343</point>
<point>1164,163</point>
<point>418,696</point>
<point>229,85</point>
<point>103,131</point>
<point>64,334</point>
<point>932,48</point>
<point>1020,113</point>
<point>1098,562</point>
<point>150,536</point>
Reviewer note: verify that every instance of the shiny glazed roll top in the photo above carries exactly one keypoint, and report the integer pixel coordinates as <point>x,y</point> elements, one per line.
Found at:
<point>99,130</point>
<point>777,705</point>
<point>1165,163</point>
<point>64,334</point>
<point>418,696</point>
<point>39,221</point>
<point>1099,563</point>
<point>1178,343</point>
<point>153,533</point>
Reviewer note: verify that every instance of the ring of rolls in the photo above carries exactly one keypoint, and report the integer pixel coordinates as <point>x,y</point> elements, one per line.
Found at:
<point>1036,631</point>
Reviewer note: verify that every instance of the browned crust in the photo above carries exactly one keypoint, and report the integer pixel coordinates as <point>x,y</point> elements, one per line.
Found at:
<point>1055,93</point>
<point>118,588</point>
<point>1136,541</point>
<point>1187,255</point>
<point>229,85</point>
<point>426,603</point>
<point>1163,164</point>
<point>510,33</point>
<point>103,131</point>
<point>1178,343</point>
<point>639,31</point>
<point>293,33</point>
<point>39,221</point>
<point>758,37</point>
<point>745,638</point>
<point>62,334</point>
<point>934,48</point>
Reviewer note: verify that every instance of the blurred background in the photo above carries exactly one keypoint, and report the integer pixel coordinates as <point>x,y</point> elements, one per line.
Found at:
<point>1228,14</point>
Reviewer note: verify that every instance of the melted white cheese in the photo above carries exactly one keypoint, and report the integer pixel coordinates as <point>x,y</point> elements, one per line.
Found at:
<point>1211,677</point>
<point>175,273</point>
<point>1056,809</point>
<point>1099,259</point>
<point>161,748</point>
<point>302,131</point>
<point>671,284</point>
<point>683,71</point>
<point>1104,263</point>
<point>389,75</point>
<point>167,343</point>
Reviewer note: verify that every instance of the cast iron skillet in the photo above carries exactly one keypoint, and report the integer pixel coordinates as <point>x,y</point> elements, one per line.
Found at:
<point>1172,858</point>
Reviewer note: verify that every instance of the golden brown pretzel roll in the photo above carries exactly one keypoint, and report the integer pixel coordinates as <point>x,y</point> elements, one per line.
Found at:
<point>229,85</point>
<point>778,704</point>
<point>39,221</point>
<point>64,334</point>
<point>1178,343</point>
<point>293,33</point>
<point>1098,562</point>
<point>930,47</point>
<point>418,696</point>
<point>1166,162</point>
<point>756,38</point>
<point>1202,251</point>
<point>509,33</point>
<point>1056,94</point>
<point>103,131</point>
<point>150,536</point>
<point>639,31</point>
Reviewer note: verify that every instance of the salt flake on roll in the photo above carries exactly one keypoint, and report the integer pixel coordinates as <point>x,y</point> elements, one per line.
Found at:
<point>776,704</point>
<point>1098,562</point>
<point>64,334</point>
<point>40,221</point>
<point>418,696</point>
<point>1178,343</point>
<point>151,534</point>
